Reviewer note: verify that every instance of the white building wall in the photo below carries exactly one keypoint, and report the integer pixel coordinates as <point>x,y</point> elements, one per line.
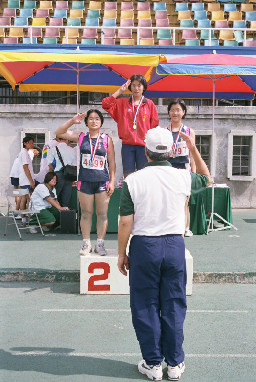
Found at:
<point>14,119</point>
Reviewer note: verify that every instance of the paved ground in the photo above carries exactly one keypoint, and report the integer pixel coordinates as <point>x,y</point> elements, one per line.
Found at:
<point>51,333</point>
<point>223,251</point>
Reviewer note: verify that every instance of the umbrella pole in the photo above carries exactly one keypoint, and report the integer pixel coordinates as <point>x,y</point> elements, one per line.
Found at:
<point>77,151</point>
<point>228,225</point>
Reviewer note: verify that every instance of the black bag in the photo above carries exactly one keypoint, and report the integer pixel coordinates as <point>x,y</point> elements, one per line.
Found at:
<point>69,171</point>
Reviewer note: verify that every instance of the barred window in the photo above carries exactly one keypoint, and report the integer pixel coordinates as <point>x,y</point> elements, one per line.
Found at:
<point>241,155</point>
<point>39,140</point>
<point>203,144</point>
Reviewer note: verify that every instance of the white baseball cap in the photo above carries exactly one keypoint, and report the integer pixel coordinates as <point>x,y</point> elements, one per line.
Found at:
<point>159,140</point>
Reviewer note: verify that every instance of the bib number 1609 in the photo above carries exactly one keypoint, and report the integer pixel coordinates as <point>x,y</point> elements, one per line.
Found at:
<point>92,287</point>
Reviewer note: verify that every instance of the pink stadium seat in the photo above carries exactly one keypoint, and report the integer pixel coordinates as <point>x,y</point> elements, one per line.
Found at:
<point>161,15</point>
<point>165,42</point>
<point>55,22</point>
<point>126,23</point>
<point>11,40</point>
<point>189,34</point>
<point>146,33</point>
<point>124,33</point>
<point>42,13</point>
<point>145,6</point>
<point>90,33</point>
<point>108,41</point>
<point>145,23</point>
<point>5,21</point>
<point>9,12</point>
<point>110,5</point>
<point>221,24</point>
<point>127,6</point>
<point>36,32</point>
<point>109,33</point>
<point>52,32</point>
<point>250,43</point>
<point>162,23</point>
<point>61,4</point>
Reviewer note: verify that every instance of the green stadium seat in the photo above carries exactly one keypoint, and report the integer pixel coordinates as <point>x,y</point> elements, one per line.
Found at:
<point>73,22</point>
<point>88,41</point>
<point>192,42</point>
<point>50,40</point>
<point>164,34</point>
<point>13,4</point>
<point>76,4</point>
<point>28,13</point>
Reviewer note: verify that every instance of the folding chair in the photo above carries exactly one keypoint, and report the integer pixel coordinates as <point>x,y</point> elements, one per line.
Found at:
<point>11,212</point>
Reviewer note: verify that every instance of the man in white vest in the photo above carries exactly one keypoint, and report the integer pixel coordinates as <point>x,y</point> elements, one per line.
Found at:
<point>152,209</point>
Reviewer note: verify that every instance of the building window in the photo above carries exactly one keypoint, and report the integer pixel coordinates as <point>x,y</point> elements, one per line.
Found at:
<point>203,144</point>
<point>241,155</point>
<point>241,150</point>
<point>40,137</point>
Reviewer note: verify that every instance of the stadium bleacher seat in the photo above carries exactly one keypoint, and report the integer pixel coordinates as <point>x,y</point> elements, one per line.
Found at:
<point>181,7</point>
<point>161,15</point>
<point>213,7</point>
<point>126,23</point>
<point>221,24</point>
<point>29,4</point>
<point>186,23</point>
<point>108,41</point>
<point>69,40</point>
<point>144,23</point>
<point>164,34</point>
<point>16,32</point>
<point>124,33</point>
<point>230,7</point>
<point>125,41</point>
<point>145,7</point>
<point>197,7</point>
<point>60,13</point>
<point>226,34</point>
<point>28,13</point>
<point>110,14</point>
<point>145,33</point>
<point>5,21</point>
<point>73,22</point>
<point>192,42</point>
<point>50,40</point>
<point>27,40</point>
<point>232,16</point>
<point>239,24</point>
<point>76,14</point>
<point>204,35</point>
<point>13,4</point>
<point>110,5</point>
<point>61,4</point>
<point>9,12</point>
<point>159,6</point>
<point>55,22</point>
<point>34,32</point>
<point>217,16</point>
<point>93,14</point>
<point>42,13</point>
<point>246,7</point>
<point>127,6</point>
<point>109,22</point>
<point>91,22</point>
<point>163,23</point>
<point>204,23</point>
<point>200,15</point>
<point>95,5</point>
<point>88,41</point>
<point>230,43</point>
<point>90,33</point>
<point>212,43</point>
<point>21,22</point>
<point>250,16</point>
<point>39,22</point>
<point>189,34</point>
<point>52,33</point>
<point>45,5</point>
<point>184,15</point>
<point>147,41</point>
<point>11,40</point>
<point>165,42</point>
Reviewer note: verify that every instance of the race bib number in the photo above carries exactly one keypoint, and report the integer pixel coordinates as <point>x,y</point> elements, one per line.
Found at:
<point>181,150</point>
<point>96,164</point>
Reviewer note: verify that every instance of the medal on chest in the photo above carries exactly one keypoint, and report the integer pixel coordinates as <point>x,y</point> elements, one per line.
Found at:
<point>134,126</point>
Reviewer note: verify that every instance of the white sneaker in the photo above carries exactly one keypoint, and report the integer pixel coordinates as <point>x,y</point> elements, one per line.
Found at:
<point>153,372</point>
<point>188,233</point>
<point>86,248</point>
<point>32,229</point>
<point>174,372</point>
<point>45,228</point>
<point>100,248</point>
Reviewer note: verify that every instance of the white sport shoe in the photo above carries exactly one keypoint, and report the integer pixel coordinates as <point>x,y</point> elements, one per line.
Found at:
<point>32,229</point>
<point>45,228</point>
<point>86,249</point>
<point>100,248</point>
<point>174,372</point>
<point>188,233</point>
<point>153,372</point>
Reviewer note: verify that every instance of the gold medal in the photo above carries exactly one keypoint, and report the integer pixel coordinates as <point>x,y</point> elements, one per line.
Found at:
<point>134,126</point>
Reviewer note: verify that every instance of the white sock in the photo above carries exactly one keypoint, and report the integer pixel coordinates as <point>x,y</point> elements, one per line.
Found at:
<point>100,241</point>
<point>88,241</point>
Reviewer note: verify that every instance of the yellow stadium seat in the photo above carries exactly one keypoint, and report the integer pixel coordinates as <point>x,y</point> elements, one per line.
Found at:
<point>127,41</point>
<point>226,34</point>
<point>76,14</point>
<point>70,40</point>
<point>16,32</point>
<point>184,15</point>
<point>213,7</point>
<point>95,5</point>
<point>110,14</point>
<point>253,24</point>
<point>45,5</point>
<point>127,15</point>
<point>2,32</point>
<point>232,16</point>
<point>147,41</point>
<point>218,15</point>
<point>72,33</point>
<point>245,7</point>
<point>144,15</point>
<point>38,22</point>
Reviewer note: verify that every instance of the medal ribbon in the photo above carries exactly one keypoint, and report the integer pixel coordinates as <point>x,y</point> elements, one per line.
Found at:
<point>136,113</point>
<point>174,146</point>
<point>93,151</point>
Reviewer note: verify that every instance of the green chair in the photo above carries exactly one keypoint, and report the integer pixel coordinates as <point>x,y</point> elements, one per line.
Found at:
<point>239,36</point>
<point>204,35</point>
<point>91,22</point>
<point>93,14</point>
<point>50,40</point>
<point>164,34</point>
<point>230,43</point>
<point>159,6</point>
<point>26,40</point>
<point>73,22</point>
<point>186,23</point>
<point>29,4</point>
<point>60,13</point>
<point>88,41</point>
<point>13,4</point>
<point>78,5</point>
<point>109,22</point>
<point>20,22</point>
<point>213,43</point>
<point>192,42</point>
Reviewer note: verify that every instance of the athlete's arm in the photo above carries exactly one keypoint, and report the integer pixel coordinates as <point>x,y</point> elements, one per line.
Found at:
<point>124,231</point>
<point>112,167</point>
<point>63,132</point>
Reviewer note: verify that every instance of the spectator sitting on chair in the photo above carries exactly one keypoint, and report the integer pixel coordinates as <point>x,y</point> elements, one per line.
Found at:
<point>44,199</point>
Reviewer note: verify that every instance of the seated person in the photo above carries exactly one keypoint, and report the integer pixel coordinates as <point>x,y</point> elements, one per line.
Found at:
<point>44,199</point>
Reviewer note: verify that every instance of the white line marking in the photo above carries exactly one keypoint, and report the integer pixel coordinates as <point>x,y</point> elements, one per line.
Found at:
<point>128,310</point>
<point>98,355</point>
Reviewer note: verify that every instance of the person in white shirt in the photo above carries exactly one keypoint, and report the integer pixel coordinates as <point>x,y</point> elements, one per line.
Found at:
<point>44,165</point>
<point>64,186</point>
<point>44,199</point>
<point>26,173</point>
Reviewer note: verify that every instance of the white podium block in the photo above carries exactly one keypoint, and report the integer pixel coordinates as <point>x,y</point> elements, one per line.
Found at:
<point>100,275</point>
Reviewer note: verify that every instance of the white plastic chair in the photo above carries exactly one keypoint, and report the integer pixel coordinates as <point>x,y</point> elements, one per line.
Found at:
<point>11,212</point>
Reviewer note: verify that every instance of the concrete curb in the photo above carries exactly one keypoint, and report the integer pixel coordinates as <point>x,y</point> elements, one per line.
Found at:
<point>42,275</point>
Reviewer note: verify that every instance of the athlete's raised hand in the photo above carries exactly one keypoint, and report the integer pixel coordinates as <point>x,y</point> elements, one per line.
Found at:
<point>78,118</point>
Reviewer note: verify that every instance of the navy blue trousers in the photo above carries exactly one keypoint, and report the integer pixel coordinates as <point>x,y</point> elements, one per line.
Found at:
<point>158,296</point>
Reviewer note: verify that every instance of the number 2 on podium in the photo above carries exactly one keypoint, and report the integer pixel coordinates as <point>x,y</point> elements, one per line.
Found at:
<point>104,276</point>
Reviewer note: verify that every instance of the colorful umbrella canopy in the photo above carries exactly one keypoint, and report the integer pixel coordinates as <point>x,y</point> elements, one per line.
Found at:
<point>193,76</point>
<point>64,69</point>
